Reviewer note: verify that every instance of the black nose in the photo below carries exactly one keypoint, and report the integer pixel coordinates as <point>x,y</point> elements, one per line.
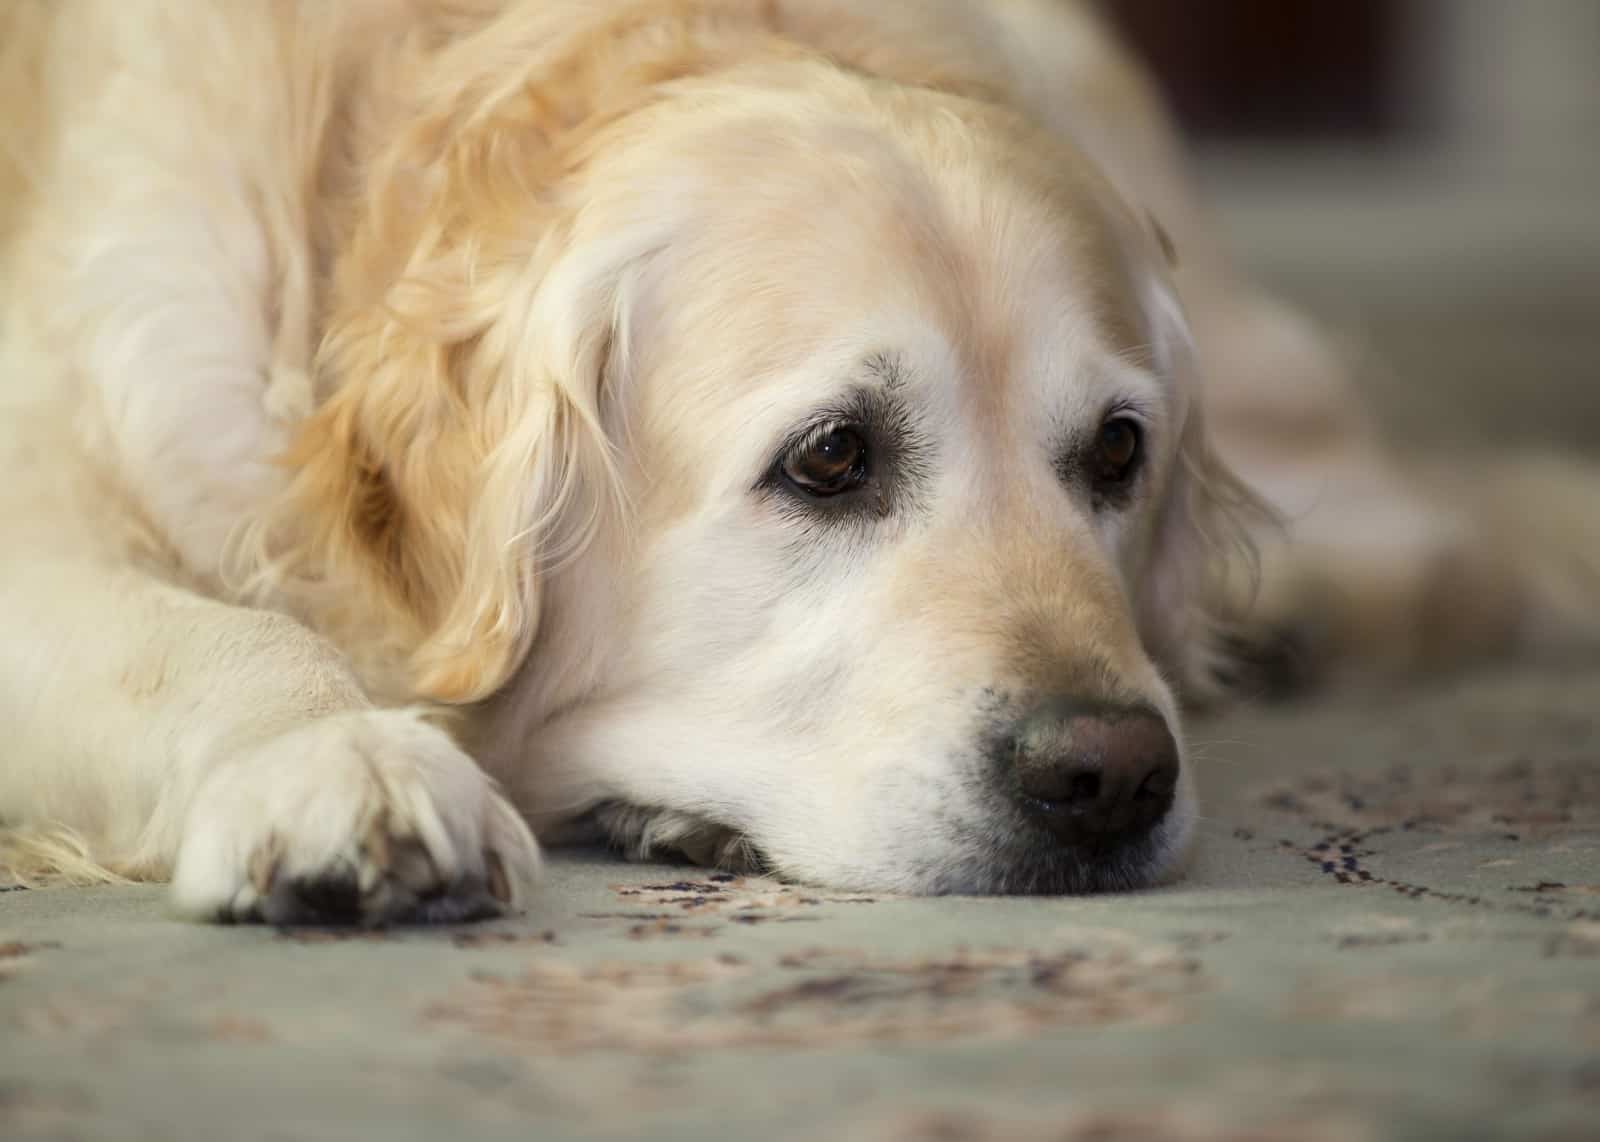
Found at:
<point>1095,775</point>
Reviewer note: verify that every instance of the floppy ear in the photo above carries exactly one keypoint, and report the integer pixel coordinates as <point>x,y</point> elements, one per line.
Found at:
<point>1201,569</point>
<point>1200,564</point>
<point>432,487</point>
<point>460,448</point>
<point>1163,239</point>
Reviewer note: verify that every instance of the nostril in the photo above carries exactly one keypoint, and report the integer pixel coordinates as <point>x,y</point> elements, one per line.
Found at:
<point>1158,784</point>
<point>1083,788</point>
<point>1056,786</point>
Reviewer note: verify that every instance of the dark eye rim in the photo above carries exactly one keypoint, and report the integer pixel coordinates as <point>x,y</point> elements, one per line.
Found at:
<point>1112,485</point>
<point>857,478</point>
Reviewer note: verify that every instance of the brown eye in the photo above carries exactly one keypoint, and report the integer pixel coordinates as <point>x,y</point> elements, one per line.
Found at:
<point>1117,450</point>
<point>832,463</point>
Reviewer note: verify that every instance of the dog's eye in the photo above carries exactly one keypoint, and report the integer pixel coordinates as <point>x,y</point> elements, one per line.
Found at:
<point>1116,456</point>
<point>829,464</point>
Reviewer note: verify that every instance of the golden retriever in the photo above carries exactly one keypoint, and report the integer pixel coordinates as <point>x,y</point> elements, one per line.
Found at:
<point>764,430</point>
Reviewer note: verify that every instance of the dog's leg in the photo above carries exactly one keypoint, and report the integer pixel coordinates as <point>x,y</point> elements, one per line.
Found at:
<point>1384,563</point>
<point>167,278</point>
<point>1398,569</point>
<point>234,750</point>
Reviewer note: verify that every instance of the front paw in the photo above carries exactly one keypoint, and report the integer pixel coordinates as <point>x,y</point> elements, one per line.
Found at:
<point>372,817</point>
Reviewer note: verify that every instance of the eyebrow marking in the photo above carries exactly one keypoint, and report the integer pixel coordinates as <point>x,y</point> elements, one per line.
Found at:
<point>887,368</point>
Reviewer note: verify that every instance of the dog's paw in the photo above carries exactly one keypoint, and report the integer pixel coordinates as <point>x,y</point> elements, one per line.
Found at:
<point>1265,662</point>
<point>371,818</point>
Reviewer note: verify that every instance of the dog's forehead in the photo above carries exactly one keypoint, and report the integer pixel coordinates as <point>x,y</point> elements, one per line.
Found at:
<point>1012,259</point>
<point>991,275</point>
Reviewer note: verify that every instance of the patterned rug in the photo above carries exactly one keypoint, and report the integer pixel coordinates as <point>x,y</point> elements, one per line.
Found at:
<point>1392,930</point>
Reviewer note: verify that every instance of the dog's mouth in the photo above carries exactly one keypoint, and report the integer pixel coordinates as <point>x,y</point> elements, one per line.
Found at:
<point>1033,866</point>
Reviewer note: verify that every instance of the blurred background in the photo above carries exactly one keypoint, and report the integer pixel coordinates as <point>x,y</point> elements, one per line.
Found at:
<point>1424,175</point>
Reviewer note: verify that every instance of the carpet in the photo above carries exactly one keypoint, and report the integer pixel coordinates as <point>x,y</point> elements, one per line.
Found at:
<point>1391,930</point>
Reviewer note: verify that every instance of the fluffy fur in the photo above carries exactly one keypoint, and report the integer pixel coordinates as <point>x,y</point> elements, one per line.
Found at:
<point>392,391</point>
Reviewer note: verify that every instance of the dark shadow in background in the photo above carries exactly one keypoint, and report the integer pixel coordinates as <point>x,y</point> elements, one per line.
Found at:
<point>1274,69</point>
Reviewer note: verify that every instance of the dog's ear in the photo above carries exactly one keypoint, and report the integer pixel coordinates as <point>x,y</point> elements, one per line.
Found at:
<point>459,452</point>
<point>1200,562</point>
<point>1163,240</point>
<point>459,447</point>
<point>436,483</point>
<point>1201,569</point>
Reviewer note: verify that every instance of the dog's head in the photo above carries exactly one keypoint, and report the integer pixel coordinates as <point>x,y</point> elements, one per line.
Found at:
<point>782,457</point>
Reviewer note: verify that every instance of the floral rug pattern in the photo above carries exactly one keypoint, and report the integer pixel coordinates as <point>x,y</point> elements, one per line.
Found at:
<point>1392,930</point>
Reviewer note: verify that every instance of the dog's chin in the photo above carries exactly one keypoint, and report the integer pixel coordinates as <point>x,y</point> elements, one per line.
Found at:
<point>1024,860</point>
<point>1025,863</point>
<point>1031,867</point>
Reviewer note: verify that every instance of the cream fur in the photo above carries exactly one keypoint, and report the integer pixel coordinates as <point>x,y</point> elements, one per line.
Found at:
<point>365,358</point>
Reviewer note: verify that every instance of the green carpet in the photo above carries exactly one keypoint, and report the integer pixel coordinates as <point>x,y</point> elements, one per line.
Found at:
<point>1392,930</point>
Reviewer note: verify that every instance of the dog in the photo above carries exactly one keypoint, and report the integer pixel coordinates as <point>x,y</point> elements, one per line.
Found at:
<point>792,434</point>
